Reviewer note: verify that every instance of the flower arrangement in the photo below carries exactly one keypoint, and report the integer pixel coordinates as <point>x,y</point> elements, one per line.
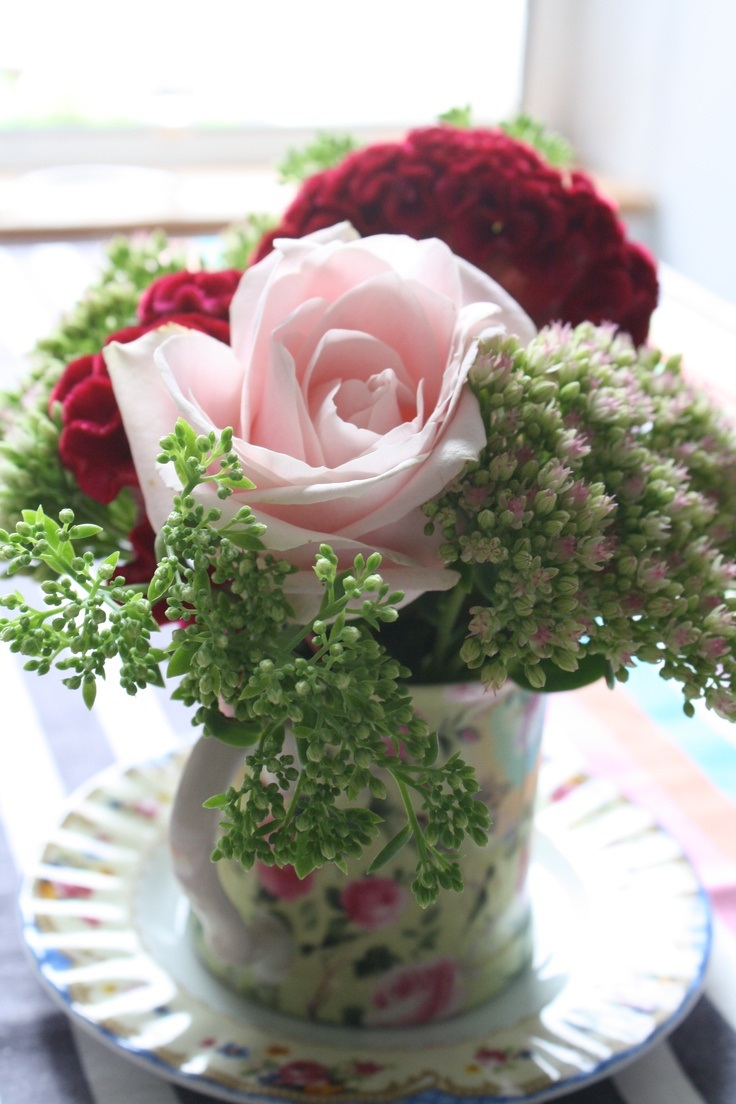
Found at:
<point>412,432</point>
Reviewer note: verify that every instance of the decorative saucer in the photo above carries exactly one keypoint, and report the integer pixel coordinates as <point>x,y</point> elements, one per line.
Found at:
<point>622,937</point>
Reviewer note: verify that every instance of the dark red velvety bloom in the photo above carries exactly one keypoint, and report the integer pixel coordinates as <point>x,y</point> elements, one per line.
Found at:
<point>139,568</point>
<point>547,236</point>
<point>142,563</point>
<point>206,293</point>
<point>93,444</point>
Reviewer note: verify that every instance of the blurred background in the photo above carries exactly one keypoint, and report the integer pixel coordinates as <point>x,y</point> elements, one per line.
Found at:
<point>157,114</point>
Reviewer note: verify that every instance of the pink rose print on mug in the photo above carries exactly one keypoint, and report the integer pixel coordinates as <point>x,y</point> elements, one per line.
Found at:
<point>373,903</point>
<point>283,881</point>
<point>409,995</point>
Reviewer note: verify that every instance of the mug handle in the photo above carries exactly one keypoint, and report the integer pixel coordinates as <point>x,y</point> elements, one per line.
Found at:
<point>193,834</point>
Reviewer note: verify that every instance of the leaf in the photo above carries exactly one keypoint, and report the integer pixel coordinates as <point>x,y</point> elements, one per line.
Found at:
<point>376,960</point>
<point>156,678</point>
<point>84,532</point>
<point>590,669</point>
<point>333,898</point>
<point>325,151</point>
<point>392,848</point>
<point>236,482</point>
<point>15,565</point>
<point>246,540</point>
<point>51,528</point>
<point>303,865</point>
<point>458,117</point>
<point>181,660</point>
<point>433,747</point>
<point>160,583</point>
<point>552,146</point>
<point>217,801</point>
<point>89,692</point>
<point>184,433</point>
<point>336,937</point>
<point>231,731</point>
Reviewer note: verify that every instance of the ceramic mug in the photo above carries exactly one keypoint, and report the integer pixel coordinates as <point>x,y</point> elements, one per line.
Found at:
<point>357,949</point>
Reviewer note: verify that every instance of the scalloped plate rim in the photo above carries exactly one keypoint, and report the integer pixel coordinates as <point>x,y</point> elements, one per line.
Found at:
<point>151,1063</point>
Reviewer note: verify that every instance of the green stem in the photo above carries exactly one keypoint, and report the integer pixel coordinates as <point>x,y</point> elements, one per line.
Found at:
<point>443,656</point>
<point>293,802</point>
<point>411,816</point>
<point>112,533</point>
<point>330,607</point>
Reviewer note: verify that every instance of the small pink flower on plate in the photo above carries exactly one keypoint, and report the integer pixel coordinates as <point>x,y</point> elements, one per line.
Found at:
<point>302,1073</point>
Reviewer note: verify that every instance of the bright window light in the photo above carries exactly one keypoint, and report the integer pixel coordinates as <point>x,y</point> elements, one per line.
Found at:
<point>275,64</point>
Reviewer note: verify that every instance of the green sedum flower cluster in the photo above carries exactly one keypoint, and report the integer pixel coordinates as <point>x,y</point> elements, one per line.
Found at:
<point>597,527</point>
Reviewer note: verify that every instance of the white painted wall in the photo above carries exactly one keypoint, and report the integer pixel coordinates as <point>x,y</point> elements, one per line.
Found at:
<point>646,91</point>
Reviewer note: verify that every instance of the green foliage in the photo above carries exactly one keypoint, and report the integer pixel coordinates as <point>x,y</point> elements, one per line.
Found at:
<point>552,146</point>
<point>241,239</point>
<point>31,472</point>
<point>597,526</point>
<point>322,153</point>
<point>318,708</point>
<point>457,117</point>
<point>87,617</point>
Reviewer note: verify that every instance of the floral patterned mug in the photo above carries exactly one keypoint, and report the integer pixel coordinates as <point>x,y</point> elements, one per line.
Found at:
<point>357,949</point>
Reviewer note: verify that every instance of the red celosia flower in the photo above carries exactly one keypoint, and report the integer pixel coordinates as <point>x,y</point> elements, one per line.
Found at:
<point>546,235</point>
<point>206,293</point>
<point>142,564</point>
<point>93,444</point>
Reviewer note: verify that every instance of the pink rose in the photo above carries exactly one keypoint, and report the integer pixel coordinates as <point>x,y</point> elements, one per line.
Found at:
<point>410,995</point>
<point>373,902</point>
<point>345,387</point>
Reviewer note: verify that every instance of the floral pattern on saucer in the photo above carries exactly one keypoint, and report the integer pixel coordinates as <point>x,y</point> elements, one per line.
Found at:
<point>621,966</point>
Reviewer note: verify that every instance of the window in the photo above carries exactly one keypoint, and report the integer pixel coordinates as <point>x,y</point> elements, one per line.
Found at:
<point>151,83</point>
